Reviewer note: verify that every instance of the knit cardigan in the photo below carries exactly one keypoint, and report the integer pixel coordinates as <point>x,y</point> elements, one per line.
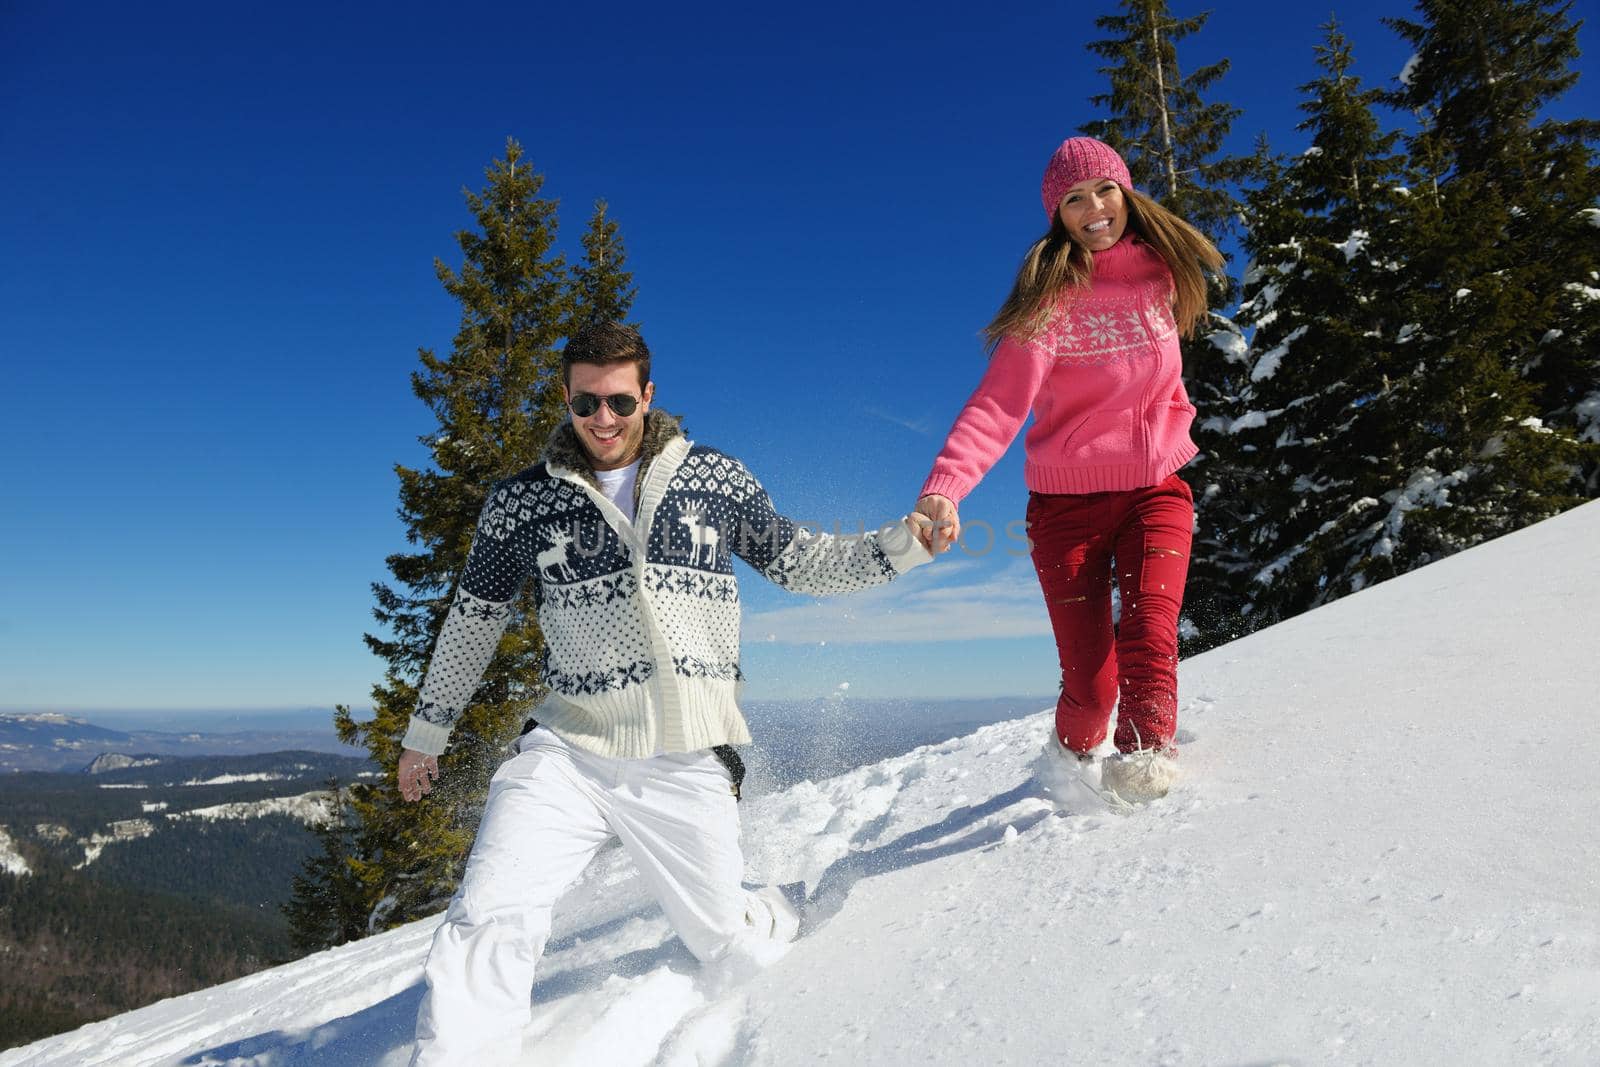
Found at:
<point>1103,380</point>
<point>640,619</point>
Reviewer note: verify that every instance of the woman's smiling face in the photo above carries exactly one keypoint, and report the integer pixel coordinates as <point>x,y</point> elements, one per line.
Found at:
<point>1095,213</point>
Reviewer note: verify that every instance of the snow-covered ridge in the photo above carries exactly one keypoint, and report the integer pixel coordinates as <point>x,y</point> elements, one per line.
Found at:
<point>313,809</point>
<point>11,861</point>
<point>45,718</point>
<point>233,779</point>
<point>1381,852</point>
<point>120,831</point>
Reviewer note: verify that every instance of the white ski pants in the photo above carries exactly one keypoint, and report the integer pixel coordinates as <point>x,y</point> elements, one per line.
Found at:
<point>550,809</point>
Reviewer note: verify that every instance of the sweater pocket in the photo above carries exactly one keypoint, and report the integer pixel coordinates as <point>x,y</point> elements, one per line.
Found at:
<point>1168,423</point>
<point>1102,437</point>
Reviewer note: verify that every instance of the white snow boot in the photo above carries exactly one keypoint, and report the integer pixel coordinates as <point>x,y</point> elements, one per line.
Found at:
<point>1067,775</point>
<point>771,916</point>
<point>771,924</point>
<point>1136,777</point>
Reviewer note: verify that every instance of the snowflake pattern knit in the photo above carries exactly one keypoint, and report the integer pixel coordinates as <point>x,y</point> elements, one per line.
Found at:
<point>1103,381</point>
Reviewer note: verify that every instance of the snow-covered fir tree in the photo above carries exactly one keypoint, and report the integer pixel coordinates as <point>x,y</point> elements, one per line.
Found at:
<point>1321,430</point>
<point>495,398</point>
<point>1518,190</point>
<point>1476,253</point>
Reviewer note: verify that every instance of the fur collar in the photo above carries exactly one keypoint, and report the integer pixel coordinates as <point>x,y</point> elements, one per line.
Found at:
<point>563,449</point>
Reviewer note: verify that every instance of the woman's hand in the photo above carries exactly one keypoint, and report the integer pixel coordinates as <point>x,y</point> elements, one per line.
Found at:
<point>946,526</point>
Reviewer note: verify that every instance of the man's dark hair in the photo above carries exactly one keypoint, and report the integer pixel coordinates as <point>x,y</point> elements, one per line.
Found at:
<point>605,343</point>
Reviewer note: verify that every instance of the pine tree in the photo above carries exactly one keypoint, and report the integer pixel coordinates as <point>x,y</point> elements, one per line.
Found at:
<point>1159,120</point>
<point>1517,193</point>
<point>327,906</point>
<point>604,291</point>
<point>1492,388</point>
<point>495,398</point>
<point>601,290</point>
<point>1320,429</point>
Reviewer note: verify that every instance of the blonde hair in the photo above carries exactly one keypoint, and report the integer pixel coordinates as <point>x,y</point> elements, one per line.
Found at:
<point>1056,263</point>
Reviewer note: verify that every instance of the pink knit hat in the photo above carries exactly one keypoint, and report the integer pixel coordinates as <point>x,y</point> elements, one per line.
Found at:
<point>1080,159</point>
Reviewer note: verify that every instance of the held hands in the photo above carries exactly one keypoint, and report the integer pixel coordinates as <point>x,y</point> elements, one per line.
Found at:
<point>416,773</point>
<point>940,524</point>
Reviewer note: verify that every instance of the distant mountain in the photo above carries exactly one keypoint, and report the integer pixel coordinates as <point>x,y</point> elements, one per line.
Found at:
<point>116,761</point>
<point>71,818</point>
<point>150,876</point>
<point>52,742</point>
<point>55,732</point>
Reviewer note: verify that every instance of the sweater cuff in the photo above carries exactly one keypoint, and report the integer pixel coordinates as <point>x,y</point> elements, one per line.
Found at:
<point>425,737</point>
<point>945,485</point>
<point>902,548</point>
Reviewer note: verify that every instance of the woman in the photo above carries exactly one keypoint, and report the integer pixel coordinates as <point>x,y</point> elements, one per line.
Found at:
<point>1088,341</point>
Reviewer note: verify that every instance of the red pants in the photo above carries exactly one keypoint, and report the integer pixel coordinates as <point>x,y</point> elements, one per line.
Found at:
<point>1075,539</point>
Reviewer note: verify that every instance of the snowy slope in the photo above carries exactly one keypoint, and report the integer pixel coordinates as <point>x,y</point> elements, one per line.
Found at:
<point>1383,852</point>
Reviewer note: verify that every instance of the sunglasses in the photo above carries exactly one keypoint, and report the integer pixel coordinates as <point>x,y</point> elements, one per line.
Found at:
<point>621,404</point>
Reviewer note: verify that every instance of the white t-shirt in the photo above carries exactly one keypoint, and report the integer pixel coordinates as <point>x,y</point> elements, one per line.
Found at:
<point>617,485</point>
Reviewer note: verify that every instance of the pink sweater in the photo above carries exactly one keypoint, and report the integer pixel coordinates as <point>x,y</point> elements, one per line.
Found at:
<point>1104,382</point>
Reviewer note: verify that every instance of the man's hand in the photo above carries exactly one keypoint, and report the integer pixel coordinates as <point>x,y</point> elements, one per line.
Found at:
<point>416,774</point>
<point>945,527</point>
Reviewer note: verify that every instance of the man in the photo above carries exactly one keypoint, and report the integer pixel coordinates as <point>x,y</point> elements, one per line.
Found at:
<point>628,532</point>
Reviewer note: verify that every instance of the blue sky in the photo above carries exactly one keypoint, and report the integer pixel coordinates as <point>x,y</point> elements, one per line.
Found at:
<point>221,226</point>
